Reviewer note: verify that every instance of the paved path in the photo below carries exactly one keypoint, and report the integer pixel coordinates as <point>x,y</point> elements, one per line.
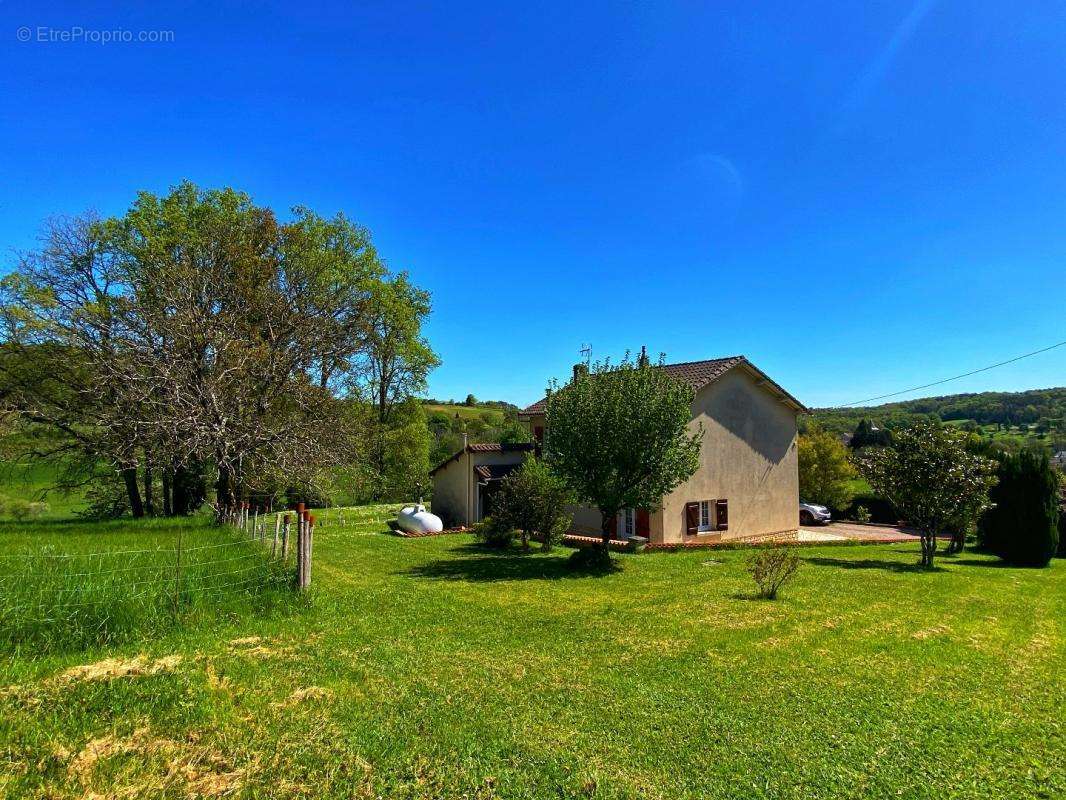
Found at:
<point>837,531</point>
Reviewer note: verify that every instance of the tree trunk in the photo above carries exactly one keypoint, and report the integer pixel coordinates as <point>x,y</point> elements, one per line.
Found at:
<point>958,542</point>
<point>928,548</point>
<point>225,490</point>
<point>605,530</point>
<point>168,505</point>
<point>149,504</point>
<point>129,477</point>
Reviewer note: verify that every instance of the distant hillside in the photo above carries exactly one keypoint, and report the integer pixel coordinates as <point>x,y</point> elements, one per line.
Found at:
<point>1034,414</point>
<point>480,421</point>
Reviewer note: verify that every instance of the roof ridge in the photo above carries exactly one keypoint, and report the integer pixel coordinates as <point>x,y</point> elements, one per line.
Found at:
<point>704,361</point>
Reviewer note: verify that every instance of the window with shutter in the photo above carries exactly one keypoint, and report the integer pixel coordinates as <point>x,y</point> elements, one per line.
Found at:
<point>692,518</point>
<point>721,513</point>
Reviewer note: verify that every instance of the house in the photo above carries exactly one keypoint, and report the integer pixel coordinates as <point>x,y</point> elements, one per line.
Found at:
<point>746,486</point>
<point>464,485</point>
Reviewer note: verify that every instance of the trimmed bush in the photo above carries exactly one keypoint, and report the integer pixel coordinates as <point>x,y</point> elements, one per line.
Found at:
<point>1062,519</point>
<point>494,533</point>
<point>1022,527</point>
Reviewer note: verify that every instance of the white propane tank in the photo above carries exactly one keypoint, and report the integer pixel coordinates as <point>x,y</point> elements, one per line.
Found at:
<point>415,519</point>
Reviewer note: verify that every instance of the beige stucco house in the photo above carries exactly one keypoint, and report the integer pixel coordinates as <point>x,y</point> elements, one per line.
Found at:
<point>747,484</point>
<point>463,485</point>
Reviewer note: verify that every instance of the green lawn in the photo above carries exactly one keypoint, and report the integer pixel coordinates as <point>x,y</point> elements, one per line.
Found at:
<point>427,668</point>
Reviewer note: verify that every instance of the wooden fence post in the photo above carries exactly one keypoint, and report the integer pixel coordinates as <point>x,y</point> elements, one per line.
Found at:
<point>277,531</point>
<point>285,538</point>
<point>310,545</point>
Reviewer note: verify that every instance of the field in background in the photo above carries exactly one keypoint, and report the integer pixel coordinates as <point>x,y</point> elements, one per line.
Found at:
<point>34,482</point>
<point>429,668</point>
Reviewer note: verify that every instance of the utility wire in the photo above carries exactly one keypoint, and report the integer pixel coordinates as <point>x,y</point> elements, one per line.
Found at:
<point>954,378</point>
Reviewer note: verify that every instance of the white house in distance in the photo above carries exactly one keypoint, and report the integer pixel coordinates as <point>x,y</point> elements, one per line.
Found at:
<point>746,487</point>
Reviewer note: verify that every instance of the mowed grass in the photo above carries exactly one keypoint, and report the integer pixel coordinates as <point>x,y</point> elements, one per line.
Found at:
<point>428,668</point>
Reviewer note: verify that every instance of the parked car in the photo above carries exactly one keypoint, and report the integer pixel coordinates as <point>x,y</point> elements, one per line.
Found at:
<point>811,514</point>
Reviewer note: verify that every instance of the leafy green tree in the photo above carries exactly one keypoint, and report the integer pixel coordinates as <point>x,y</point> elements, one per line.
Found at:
<point>1022,525</point>
<point>825,470</point>
<point>470,400</point>
<point>534,500</point>
<point>932,480</point>
<point>620,436</point>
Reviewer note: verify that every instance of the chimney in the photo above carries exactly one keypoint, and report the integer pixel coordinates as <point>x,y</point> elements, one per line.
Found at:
<point>580,369</point>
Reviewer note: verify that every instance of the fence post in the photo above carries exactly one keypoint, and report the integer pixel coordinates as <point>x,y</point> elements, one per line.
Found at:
<point>303,551</point>
<point>177,575</point>
<point>300,549</point>
<point>285,539</point>
<point>277,530</point>
<point>255,524</point>
<point>310,545</point>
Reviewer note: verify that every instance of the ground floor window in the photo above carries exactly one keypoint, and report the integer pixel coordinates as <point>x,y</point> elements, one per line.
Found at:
<point>626,523</point>
<point>705,515</point>
<point>702,516</point>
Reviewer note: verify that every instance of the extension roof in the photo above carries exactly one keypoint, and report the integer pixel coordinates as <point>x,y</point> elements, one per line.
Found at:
<point>484,447</point>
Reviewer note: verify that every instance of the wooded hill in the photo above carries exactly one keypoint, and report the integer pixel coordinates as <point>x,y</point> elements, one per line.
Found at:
<point>1036,413</point>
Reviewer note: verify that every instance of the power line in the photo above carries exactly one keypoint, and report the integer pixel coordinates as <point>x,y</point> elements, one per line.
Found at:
<point>954,378</point>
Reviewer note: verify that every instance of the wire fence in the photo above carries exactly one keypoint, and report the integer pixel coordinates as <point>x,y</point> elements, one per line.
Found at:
<point>56,595</point>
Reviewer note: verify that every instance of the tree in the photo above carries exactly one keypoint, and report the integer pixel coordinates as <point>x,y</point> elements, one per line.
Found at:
<point>825,471</point>
<point>932,480</point>
<point>1022,525</point>
<point>397,358</point>
<point>470,400</point>
<point>620,436</point>
<point>533,500</point>
<point>868,435</point>
<point>197,334</point>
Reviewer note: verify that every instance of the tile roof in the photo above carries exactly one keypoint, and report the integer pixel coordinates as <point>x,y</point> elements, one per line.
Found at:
<point>696,374</point>
<point>485,447</point>
<point>491,472</point>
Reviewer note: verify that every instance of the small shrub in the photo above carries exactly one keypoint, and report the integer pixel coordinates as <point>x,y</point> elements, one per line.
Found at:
<point>771,569</point>
<point>593,560</point>
<point>37,509</point>
<point>534,500</point>
<point>494,533</point>
<point>19,510</point>
<point>881,511</point>
<point>106,498</point>
<point>862,513</point>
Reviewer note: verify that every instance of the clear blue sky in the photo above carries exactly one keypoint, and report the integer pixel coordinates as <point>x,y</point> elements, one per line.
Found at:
<point>860,197</point>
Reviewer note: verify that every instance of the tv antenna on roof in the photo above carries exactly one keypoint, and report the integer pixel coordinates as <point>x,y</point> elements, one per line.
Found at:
<point>586,353</point>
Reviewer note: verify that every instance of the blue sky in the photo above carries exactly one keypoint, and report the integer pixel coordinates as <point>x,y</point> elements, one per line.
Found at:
<point>861,197</point>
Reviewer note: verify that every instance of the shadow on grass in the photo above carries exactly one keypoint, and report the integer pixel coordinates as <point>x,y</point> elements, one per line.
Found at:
<point>997,563</point>
<point>479,565</point>
<point>873,563</point>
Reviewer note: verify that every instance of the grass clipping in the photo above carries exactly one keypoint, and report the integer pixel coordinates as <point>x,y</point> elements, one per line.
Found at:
<point>199,771</point>
<point>106,670</point>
